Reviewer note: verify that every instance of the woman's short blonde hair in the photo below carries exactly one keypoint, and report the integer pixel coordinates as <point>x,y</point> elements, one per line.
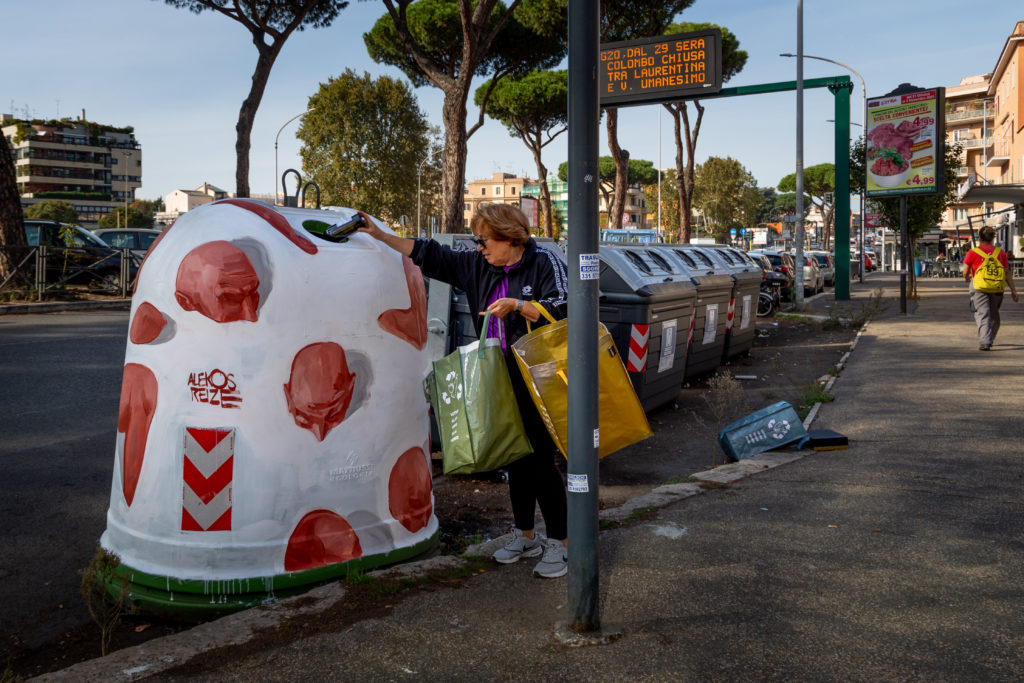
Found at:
<point>507,223</point>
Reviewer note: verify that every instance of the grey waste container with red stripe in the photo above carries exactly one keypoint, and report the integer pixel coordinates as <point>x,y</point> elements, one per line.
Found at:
<point>714,290</point>
<point>647,305</point>
<point>746,285</point>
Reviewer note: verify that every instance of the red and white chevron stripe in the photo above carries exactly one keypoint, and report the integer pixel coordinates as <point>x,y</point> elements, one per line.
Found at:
<point>208,469</point>
<point>638,338</point>
<point>689,334</point>
<point>729,315</point>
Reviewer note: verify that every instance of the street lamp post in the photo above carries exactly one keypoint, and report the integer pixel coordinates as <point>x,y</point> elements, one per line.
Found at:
<point>275,152</point>
<point>127,152</point>
<point>864,129</point>
<point>419,172</point>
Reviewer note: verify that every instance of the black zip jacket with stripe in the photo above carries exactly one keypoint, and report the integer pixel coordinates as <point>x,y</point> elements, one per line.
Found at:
<point>539,276</point>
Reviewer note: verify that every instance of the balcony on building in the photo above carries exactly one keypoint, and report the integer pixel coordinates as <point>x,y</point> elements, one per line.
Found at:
<point>969,112</point>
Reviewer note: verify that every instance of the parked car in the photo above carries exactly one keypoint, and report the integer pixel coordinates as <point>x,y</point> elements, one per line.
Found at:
<point>781,263</point>
<point>137,239</point>
<point>814,282</point>
<point>78,256</point>
<point>826,265</point>
<point>771,284</point>
<point>870,260</point>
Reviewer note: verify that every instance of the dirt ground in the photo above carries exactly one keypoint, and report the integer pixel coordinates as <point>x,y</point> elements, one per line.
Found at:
<point>790,354</point>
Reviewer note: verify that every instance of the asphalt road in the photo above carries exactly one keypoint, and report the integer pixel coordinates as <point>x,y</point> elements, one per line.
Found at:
<point>61,379</point>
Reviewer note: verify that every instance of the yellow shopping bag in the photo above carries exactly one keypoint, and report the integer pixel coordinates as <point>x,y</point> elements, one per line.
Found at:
<point>541,356</point>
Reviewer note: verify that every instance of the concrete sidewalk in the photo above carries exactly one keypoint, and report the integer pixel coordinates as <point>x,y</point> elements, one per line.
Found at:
<point>899,558</point>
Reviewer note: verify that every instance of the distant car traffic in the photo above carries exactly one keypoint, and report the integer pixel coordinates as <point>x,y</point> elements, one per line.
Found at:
<point>137,239</point>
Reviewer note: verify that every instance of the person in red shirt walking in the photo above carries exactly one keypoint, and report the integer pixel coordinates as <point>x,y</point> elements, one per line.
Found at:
<point>987,292</point>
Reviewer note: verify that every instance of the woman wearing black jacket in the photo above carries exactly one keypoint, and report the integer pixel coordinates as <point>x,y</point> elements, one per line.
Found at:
<point>502,275</point>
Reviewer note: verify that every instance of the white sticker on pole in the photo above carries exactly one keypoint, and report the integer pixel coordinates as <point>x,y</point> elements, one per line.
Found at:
<point>578,483</point>
<point>597,438</point>
<point>590,267</point>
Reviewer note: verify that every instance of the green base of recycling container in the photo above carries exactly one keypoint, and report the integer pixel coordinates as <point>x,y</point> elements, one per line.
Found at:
<point>197,600</point>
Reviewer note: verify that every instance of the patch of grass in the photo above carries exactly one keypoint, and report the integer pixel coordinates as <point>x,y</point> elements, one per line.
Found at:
<point>681,479</point>
<point>813,393</point>
<point>642,513</point>
<point>607,524</point>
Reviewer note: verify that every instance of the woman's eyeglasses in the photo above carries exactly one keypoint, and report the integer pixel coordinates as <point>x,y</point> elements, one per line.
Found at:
<point>481,241</point>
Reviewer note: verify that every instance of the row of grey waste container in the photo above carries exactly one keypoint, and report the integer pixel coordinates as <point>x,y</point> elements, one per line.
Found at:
<point>675,311</point>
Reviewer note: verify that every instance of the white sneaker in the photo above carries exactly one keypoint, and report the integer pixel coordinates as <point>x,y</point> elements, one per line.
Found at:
<point>519,546</point>
<point>555,560</point>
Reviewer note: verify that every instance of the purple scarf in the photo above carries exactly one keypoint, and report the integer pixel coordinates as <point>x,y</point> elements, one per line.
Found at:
<point>495,328</point>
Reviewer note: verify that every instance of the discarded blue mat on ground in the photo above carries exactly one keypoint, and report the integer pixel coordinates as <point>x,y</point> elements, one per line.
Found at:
<point>772,427</point>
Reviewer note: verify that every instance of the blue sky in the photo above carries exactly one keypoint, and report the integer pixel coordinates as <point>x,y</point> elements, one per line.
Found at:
<point>179,79</point>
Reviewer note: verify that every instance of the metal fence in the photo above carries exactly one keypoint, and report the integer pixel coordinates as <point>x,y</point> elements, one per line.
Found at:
<point>39,270</point>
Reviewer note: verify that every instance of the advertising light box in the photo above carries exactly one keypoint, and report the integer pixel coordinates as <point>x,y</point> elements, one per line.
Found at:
<point>905,150</point>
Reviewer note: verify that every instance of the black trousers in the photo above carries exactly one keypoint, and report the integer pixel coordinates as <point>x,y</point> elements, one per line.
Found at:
<point>534,479</point>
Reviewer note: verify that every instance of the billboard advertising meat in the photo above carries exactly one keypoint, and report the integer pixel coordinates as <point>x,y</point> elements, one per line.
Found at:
<point>905,144</point>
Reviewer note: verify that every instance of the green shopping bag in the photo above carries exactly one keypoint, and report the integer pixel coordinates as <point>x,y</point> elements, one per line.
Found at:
<point>475,408</point>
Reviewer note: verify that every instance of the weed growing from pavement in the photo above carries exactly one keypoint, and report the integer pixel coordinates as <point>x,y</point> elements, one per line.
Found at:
<point>724,395</point>
<point>105,603</point>
<point>682,479</point>
<point>850,318</point>
<point>814,393</point>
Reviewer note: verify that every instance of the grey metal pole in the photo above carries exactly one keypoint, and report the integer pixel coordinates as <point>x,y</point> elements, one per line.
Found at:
<point>799,154</point>
<point>584,112</point>
<point>905,249</point>
<point>864,130</point>
<point>275,152</point>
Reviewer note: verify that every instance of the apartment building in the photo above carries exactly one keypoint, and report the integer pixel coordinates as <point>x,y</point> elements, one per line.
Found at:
<point>95,167</point>
<point>985,113</point>
<point>500,188</point>
<point>559,191</point>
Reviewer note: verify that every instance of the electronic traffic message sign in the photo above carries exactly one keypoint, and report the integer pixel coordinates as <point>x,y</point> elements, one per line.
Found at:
<point>662,69</point>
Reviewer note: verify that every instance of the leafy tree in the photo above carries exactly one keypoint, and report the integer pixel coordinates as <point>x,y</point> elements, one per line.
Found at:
<point>363,140</point>
<point>669,201</point>
<point>53,210</point>
<point>446,43</point>
<point>534,108</point>
<point>733,61</point>
<point>726,194</point>
<point>819,181</point>
<point>148,207</point>
<point>271,23</point>
<point>12,233</point>
<point>619,20</point>
<point>639,172</point>
<point>136,219</point>
<point>768,203</point>
<point>923,210</point>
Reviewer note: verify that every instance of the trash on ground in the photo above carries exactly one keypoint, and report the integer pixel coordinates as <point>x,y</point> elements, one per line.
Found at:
<point>823,440</point>
<point>769,428</point>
